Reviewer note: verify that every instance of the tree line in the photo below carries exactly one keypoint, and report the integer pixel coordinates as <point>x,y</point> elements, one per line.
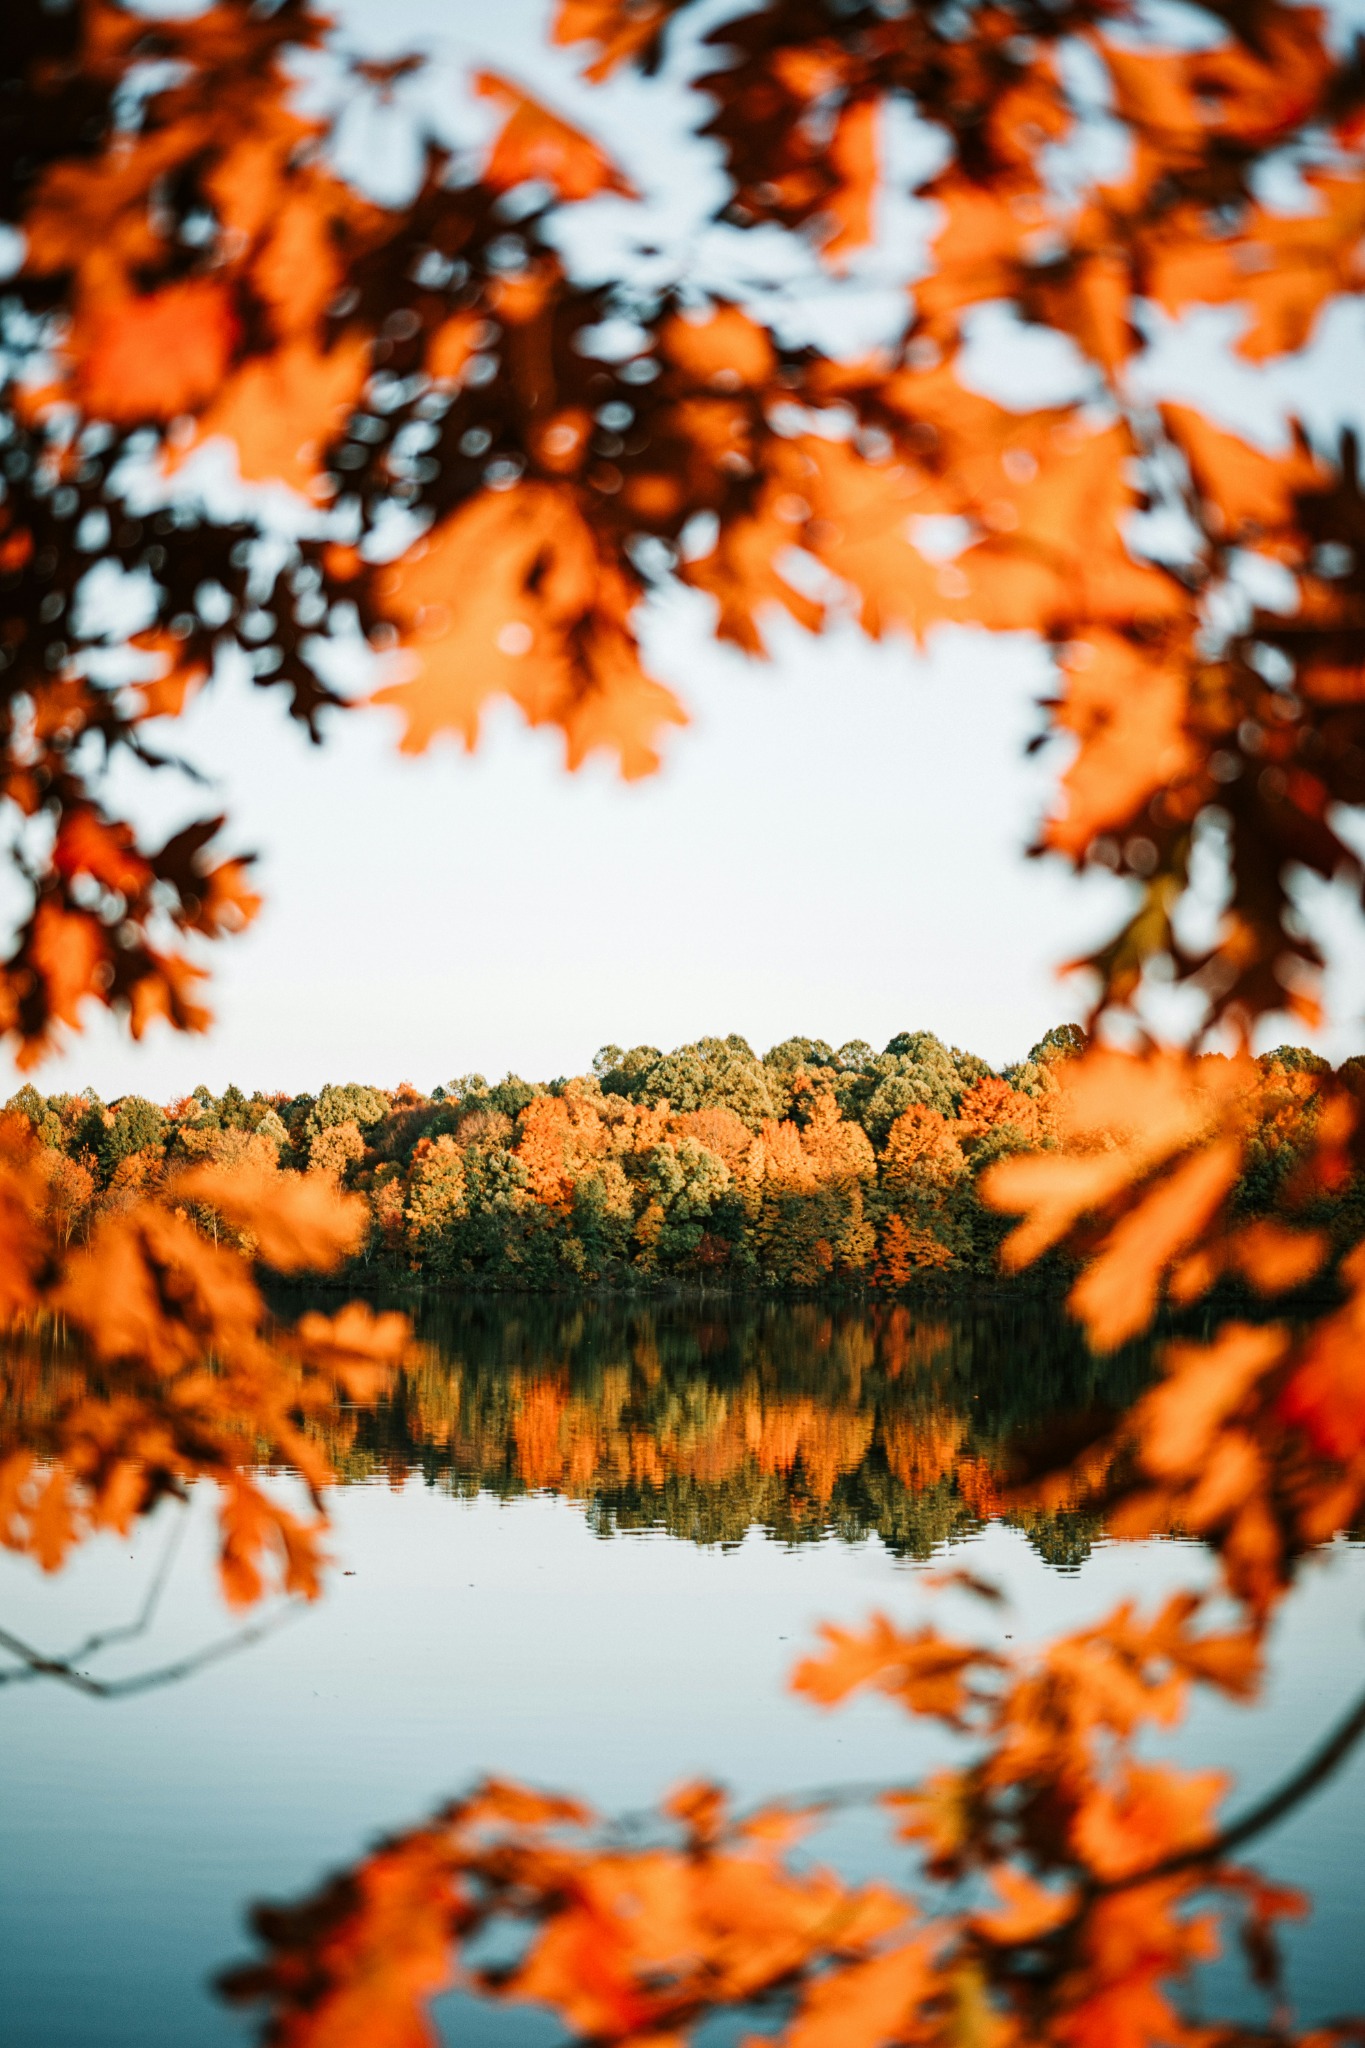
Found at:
<point>805,1167</point>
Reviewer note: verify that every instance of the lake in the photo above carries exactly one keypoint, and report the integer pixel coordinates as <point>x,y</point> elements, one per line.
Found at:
<point>582,1544</point>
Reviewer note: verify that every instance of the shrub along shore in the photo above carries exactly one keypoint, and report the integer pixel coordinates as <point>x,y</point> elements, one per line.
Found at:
<point>806,1168</point>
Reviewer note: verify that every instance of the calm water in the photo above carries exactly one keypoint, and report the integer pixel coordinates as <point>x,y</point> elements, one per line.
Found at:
<point>584,1548</point>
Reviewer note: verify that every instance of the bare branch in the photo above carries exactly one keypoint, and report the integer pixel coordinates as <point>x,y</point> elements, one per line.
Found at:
<point>34,1665</point>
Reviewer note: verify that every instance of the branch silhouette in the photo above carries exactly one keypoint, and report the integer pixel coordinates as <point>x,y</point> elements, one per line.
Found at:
<point>65,1669</point>
<point>34,1664</point>
<point>1314,1771</point>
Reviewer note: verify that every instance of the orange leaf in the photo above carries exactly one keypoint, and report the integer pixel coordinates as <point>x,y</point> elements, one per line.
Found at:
<point>1249,493</point>
<point>1155,1811</point>
<point>865,2004</point>
<point>1326,1395</point>
<point>226,904</point>
<point>360,1347</point>
<point>66,948</point>
<point>727,349</point>
<point>165,991</point>
<point>1127,707</point>
<point>167,694</point>
<point>510,595</point>
<point>853,158</point>
<point>536,144</point>
<point>1276,1258</point>
<point>1178,1421</point>
<point>253,1527</point>
<point>153,358</point>
<point>281,409</point>
<point>1054,1192</point>
<point>1116,1295</point>
<point>1029,1910</point>
<point>924,1671</point>
<point>620,29</point>
<point>301,1222</point>
<point>88,845</point>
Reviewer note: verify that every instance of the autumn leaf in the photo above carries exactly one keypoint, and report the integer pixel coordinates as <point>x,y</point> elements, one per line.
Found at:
<point>1027,1909</point>
<point>156,357</point>
<point>865,2004</point>
<point>255,1528</point>
<point>853,159</point>
<point>88,845</point>
<point>723,347</point>
<point>1179,1422</point>
<point>167,694</point>
<point>1124,1122</point>
<point>619,29</point>
<point>66,948</point>
<point>164,990</point>
<point>1326,1395</point>
<point>1249,494</point>
<point>1117,1294</point>
<point>1282,268</point>
<point>360,1347</point>
<point>1154,1812</point>
<point>300,1222</point>
<point>510,597</point>
<point>536,144</point>
<point>1127,708</point>
<point>226,903</point>
<point>925,1672</point>
<point>280,410</point>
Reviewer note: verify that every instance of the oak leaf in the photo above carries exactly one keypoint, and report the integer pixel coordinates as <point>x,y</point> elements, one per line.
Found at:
<point>155,357</point>
<point>280,410</point>
<point>535,144</point>
<point>621,29</point>
<point>1117,1293</point>
<point>300,1222</point>
<point>724,348</point>
<point>865,2004</point>
<point>853,160</point>
<point>510,596</point>
<point>1028,1909</point>
<point>927,1673</point>
<point>1325,1396</point>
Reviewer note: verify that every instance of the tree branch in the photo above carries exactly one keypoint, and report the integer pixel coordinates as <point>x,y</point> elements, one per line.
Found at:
<point>33,1664</point>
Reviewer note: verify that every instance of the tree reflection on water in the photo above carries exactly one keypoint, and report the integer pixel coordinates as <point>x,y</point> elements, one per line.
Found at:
<point>798,1418</point>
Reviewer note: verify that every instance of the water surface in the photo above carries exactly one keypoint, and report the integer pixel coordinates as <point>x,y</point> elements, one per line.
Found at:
<point>585,1546</point>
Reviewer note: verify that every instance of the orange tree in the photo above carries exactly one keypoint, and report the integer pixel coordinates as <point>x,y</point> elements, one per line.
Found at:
<point>188,263</point>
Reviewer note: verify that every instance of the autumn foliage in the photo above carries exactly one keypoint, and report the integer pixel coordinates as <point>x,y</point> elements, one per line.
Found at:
<point>485,496</point>
<point>194,269</point>
<point>806,1169</point>
<point>170,1372</point>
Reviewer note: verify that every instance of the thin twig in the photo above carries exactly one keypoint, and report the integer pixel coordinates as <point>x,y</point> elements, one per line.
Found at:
<point>820,1799</point>
<point>124,1632</point>
<point>147,1613</point>
<point>1313,1772</point>
<point>34,1665</point>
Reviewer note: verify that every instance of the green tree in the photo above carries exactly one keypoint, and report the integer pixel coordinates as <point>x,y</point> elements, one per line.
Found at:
<point>137,1126</point>
<point>711,1073</point>
<point>794,1053</point>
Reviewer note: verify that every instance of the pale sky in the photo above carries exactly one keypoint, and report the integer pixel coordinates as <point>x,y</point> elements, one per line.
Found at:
<point>834,846</point>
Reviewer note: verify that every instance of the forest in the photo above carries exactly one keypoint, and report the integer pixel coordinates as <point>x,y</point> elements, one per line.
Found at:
<point>805,1168</point>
